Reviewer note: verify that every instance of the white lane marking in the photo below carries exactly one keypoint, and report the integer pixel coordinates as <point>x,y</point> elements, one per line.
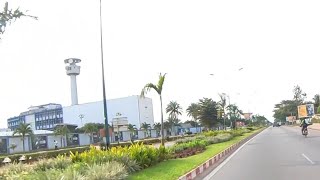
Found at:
<point>209,176</point>
<point>308,159</point>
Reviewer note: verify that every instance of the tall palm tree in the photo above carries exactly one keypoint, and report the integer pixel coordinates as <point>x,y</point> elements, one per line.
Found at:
<point>174,109</point>
<point>157,127</point>
<point>145,127</point>
<point>158,88</point>
<point>222,104</point>
<point>90,128</point>
<point>61,131</point>
<point>132,129</point>
<point>23,130</point>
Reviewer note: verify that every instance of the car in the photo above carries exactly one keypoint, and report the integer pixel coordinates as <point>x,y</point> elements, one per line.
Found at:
<point>276,124</point>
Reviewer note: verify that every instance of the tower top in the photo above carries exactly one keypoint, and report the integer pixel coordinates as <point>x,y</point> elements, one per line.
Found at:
<point>72,61</point>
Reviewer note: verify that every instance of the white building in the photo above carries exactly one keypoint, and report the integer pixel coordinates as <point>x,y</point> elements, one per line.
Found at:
<point>137,110</point>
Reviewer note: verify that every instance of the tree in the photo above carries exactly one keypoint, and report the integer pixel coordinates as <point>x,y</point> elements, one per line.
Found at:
<point>173,121</point>
<point>158,88</point>
<point>193,111</point>
<point>174,109</point>
<point>7,16</point>
<point>223,104</point>
<point>23,130</point>
<point>145,127</point>
<point>208,112</point>
<point>157,127</point>
<point>132,129</point>
<point>234,113</point>
<point>61,131</point>
<point>90,128</point>
<point>298,95</point>
<point>316,99</point>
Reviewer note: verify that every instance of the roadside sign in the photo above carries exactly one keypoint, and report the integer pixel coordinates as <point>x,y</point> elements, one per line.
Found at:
<point>306,110</point>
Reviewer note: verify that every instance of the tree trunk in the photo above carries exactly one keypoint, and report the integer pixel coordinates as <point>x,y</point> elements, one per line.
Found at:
<point>23,144</point>
<point>162,131</point>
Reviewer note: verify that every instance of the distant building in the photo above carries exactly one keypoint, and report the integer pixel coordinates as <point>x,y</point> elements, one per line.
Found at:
<point>42,117</point>
<point>135,109</point>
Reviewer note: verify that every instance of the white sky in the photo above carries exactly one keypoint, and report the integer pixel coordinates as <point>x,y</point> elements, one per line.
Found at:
<point>276,42</point>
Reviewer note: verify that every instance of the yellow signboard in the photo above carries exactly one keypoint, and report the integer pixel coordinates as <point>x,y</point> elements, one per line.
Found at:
<point>302,111</point>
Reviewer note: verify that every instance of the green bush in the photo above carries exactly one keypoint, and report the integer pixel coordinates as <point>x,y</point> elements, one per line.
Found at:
<point>110,170</point>
<point>177,148</point>
<point>44,164</point>
<point>185,140</point>
<point>14,168</point>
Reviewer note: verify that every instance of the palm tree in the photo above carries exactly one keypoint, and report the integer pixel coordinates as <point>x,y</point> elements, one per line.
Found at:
<point>173,121</point>
<point>23,130</point>
<point>145,127</point>
<point>61,131</point>
<point>222,104</point>
<point>157,127</point>
<point>193,112</point>
<point>90,128</point>
<point>132,129</point>
<point>158,88</point>
<point>174,109</point>
<point>234,112</point>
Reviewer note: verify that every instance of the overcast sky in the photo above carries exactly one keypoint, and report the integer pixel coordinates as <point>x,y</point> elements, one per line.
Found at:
<point>276,42</point>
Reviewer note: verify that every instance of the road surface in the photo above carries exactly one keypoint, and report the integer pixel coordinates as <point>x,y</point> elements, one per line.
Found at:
<point>278,153</point>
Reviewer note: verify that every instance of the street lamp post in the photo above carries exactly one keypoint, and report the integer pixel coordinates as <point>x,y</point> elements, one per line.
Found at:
<point>103,87</point>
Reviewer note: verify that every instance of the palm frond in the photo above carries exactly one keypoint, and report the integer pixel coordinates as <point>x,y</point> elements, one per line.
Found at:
<point>161,82</point>
<point>147,88</point>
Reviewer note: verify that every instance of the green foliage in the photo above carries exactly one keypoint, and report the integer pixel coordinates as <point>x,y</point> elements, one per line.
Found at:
<point>61,162</point>
<point>23,130</point>
<point>174,109</point>
<point>13,168</point>
<point>110,170</point>
<point>44,164</point>
<point>219,138</point>
<point>207,113</point>
<point>45,154</point>
<point>193,111</point>
<point>7,16</point>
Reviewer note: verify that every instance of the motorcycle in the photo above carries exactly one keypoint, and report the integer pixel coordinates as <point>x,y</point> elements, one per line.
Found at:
<point>305,132</point>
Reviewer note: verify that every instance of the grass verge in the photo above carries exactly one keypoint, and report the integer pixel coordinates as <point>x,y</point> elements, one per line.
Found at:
<point>174,168</point>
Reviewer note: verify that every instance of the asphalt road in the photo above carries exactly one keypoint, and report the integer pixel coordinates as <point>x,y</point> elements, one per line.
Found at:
<point>278,153</point>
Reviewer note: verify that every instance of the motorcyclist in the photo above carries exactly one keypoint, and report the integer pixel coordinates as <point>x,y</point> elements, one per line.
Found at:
<point>304,125</point>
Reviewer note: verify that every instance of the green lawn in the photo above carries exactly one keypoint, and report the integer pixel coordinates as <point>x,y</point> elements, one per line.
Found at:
<point>174,168</point>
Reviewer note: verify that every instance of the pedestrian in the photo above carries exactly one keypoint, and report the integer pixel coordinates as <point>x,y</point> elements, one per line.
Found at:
<point>55,144</point>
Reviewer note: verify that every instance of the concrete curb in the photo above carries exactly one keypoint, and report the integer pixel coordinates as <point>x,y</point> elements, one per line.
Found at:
<point>212,161</point>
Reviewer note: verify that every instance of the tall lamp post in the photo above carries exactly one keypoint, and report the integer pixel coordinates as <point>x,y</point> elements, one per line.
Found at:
<point>106,123</point>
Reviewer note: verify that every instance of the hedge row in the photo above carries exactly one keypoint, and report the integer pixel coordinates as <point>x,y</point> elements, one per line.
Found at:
<point>54,153</point>
<point>44,154</point>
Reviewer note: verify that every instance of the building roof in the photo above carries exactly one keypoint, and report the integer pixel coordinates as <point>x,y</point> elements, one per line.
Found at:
<point>36,132</point>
